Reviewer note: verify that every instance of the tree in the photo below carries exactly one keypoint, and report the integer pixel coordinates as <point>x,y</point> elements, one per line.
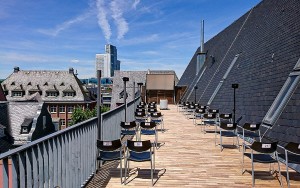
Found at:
<point>79,114</point>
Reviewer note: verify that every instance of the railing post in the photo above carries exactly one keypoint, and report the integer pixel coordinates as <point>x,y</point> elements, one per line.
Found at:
<point>99,103</point>
<point>125,79</point>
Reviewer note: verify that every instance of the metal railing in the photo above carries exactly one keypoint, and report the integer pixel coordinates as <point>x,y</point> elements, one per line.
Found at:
<point>66,158</point>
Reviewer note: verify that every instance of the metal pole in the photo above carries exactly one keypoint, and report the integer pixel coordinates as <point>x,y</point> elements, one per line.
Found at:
<point>134,97</point>
<point>234,105</point>
<point>195,88</point>
<point>99,103</point>
<point>125,79</point>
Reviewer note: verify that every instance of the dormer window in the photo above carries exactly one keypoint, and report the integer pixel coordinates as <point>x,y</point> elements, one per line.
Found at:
<point>69,94</point>
<point>52,93</point>
<point>29,84</point>
<point>13,83</point>
<point>62,84</point>
<point>17,93</point>
<point>26,125</point>
<point>46,83</point>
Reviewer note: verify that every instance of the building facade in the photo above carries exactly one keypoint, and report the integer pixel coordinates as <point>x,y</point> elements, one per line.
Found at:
<point>61,91</point>
<point>108,62</point>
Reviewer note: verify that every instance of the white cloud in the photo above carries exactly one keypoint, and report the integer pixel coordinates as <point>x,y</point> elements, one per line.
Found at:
<point>75,61</point>
<point>135,3</point>
<point>117,14</point>
<point>65,25</point>
<point>102,19</point>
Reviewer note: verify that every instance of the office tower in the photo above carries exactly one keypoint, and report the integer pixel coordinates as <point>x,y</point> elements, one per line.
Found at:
<point>108,62</point>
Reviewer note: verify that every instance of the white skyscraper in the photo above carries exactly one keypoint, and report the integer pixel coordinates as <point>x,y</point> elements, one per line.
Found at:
<point>108,62</point>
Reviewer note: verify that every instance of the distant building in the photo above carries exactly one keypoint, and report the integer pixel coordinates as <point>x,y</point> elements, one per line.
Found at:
<point>108,62</point>
<point>61,91</point>
<point>157,84</point>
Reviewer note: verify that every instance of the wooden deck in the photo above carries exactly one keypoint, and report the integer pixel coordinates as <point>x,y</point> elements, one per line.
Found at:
<point>189,158</point>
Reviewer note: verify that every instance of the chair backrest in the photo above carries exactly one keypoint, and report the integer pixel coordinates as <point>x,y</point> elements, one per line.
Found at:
<point>139,146</point>
<point>140,106</point>
<point>155,114</point>
<point>152,110</point>
<point>151,106</point>
<point>142,103</point>
<point>202,107</point>
<point>192,106</point>
<point>153,102</point>
<point>226,116</point>
<point>293,147</point>
<point>264,147</point>
<point>109,145</point>
<point>210,116</point>
<point>148,125</point>
<point>213,111</point>
<point>140,114</point>
<point>200,111</point>
<point>140,110</point>
<point>228,125</point>
<point>251,126</point>
<point>128,125</point>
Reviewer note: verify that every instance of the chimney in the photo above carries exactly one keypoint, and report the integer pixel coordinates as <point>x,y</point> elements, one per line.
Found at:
<point>16,69</point>
<point>71,70</point>
<point>202,36</point>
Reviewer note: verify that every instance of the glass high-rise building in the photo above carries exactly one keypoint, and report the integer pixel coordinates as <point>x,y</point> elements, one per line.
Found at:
<point>108,62</point>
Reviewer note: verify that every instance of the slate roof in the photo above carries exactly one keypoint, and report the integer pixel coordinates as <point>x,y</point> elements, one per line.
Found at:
<point>21,113</point>
<point>268,41</point>
<point>118,85</point>
<point>45,80</point>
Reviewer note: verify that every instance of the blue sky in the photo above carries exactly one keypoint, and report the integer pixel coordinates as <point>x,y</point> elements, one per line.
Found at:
<point>149,34</point>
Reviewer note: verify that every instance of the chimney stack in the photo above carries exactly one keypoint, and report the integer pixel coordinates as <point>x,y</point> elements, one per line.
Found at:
<point>16,69</point>
<point>71,70</point>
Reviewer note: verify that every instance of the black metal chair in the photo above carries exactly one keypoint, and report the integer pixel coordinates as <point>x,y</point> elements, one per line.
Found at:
<point>149,128</point>
<point>250,131</point>
<point>291,156</point>
<point>140,116</point>
<point>140,151</point>
<point>158,118</point>
<point>190,111</point>
<point>198,114</point>
<point>211,119</point>
<point>140,110</point>
<point>111,151</point>
<point>152,110</point>
<point>141,106</point>
<point>228,129</point>
<point>129,128</point>
<point>265,153</point>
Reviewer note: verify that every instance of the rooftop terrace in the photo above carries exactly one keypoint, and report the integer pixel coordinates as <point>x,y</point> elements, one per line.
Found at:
<point>189,158</point>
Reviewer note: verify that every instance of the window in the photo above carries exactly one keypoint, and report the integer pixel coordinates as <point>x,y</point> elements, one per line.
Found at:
<point>70,109</point>
<point>33,92</point>
<point>62,109</point>
<point>24,130</point>
<point>17,93</point>
<point>53,109</point>
<point>52,94</point>
<point>62,122</point>
<point>69,94</point>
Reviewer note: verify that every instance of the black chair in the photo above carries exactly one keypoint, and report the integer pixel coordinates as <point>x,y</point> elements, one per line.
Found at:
<point>140,151</point>
<point>210,119</point>
<point>198,114</point>
<point>140,116</point>
<point>129,128</point>
<point>152,110</point>
<point>149,128</point>
<point>291,156</point>
<point>228,129</point>
<point>265,153</point>
<point>250,131</point>
<point>190,111</point>
<point>151,106</point>
<point>158,118</point>
<point>111,151</point>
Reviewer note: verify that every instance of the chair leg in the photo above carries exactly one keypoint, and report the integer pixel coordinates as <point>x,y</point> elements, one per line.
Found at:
<point>221,144</point>
<point>151,172</point>
<point>287,174</point>
<point>243,160</point>
<point>279,170</point>
<point>238,142</point>
<point>121,169</point>
<point>253,179</point>
<point>126,166</point>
